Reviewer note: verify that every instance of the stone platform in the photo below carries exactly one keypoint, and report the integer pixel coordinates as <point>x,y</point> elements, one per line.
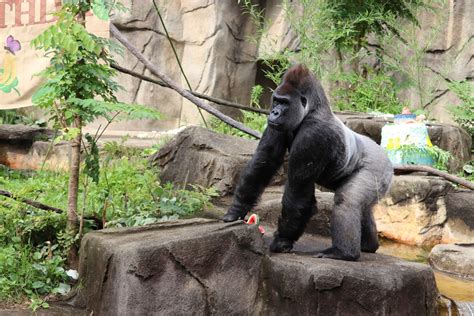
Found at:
<point>207,267</point>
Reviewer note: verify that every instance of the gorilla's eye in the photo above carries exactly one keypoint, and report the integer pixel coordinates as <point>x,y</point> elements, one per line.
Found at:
<point>303,101</point>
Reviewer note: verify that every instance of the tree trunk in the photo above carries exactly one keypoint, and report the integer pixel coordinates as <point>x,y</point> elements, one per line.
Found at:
<point>74,173</point>
<point>73,189</point>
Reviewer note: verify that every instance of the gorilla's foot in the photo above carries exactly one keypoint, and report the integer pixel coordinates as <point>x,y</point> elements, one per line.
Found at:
<point>281,245</point>
<point>335,253</point>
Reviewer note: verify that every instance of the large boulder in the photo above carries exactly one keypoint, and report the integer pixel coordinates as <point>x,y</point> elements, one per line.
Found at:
<point>192,267</point>
<point>459,226</point>
<point>269,210</point>
<point>200,156</point>
<point>425,210</point>
<point>456,259</point>
<point>27,147</point>
<point>374,285</point>
<point>208,267</point>
<point>20,133</point>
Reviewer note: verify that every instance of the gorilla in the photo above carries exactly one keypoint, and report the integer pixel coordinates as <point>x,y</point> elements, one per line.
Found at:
<point>323,151</point>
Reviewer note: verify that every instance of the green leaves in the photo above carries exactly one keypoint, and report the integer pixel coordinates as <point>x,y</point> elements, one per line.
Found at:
<point>103,8</point>
<point>79,80</point>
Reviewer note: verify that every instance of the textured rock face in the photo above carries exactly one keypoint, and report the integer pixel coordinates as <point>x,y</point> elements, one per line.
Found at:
<point>447,37</point>
<point>456,259</point>
<point>211,41</point>
<point>206,267</point>
<point>332,287</point>
<point>199,156</point>
<point>25,147</point>
<point>269,210</point>
<point>459,226</point>
<point>423,210</point>
<point>194,267</point>
<point>209,37</point>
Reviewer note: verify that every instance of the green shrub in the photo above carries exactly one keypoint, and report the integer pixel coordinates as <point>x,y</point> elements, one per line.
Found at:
<point>463,114</point>
<point>255,121</point>
<point>34,242</point>
<point>30,272</point>
<point>377,93</point>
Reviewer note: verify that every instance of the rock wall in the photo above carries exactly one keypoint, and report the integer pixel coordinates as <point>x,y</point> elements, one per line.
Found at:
<point>211,39</point>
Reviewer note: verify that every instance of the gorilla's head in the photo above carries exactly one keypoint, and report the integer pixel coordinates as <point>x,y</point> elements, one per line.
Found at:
<point>293,99</point>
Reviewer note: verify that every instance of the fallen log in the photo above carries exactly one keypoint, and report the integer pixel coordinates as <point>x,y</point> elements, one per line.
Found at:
<point>30,202</point>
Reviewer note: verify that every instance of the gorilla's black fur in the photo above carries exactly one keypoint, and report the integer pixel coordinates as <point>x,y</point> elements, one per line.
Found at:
<point>321,150</point>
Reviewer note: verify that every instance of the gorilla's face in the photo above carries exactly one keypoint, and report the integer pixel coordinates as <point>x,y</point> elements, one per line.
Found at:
<point>288,111</point>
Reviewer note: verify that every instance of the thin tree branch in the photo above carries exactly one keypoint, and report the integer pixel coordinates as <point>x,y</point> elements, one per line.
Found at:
<point>177,59</point>
<point>436,172</point>
<point>30,202</point>
<point>119,36</point>
<point>196,94</point>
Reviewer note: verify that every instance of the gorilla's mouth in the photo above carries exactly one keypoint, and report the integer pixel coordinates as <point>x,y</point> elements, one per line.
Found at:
<point>278,127</point>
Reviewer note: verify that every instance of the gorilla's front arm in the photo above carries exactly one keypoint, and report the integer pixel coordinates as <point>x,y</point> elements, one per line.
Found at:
<point>257,174</point>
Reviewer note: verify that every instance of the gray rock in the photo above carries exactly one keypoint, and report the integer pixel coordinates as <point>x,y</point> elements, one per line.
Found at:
<point>19,132</point>
<point>456,259</point>
<point>206,267</point>
<point>197,267</point>
<point>460,211</point>
<point>199,156</point>
<point>377,285</point>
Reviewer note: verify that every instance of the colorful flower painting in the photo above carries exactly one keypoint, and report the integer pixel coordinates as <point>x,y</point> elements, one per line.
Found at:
<point>8,78</point>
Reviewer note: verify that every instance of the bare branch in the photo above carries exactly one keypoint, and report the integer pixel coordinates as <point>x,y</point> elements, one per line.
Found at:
<point>436,172</point>
<point>30,202</point>
<point>154,70</point>
<point>196,94</point>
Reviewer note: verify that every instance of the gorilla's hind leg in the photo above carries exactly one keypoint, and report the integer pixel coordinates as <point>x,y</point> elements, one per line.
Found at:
<point>369,242</point>
<point>351,225</point>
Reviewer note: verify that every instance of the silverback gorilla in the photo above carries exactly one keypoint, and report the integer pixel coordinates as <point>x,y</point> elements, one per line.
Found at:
<point>321,150</point>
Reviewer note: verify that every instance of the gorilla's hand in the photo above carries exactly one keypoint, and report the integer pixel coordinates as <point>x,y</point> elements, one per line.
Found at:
<point>233,214</point>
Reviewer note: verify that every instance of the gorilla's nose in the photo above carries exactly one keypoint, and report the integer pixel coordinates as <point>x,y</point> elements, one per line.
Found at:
<point>275,113</point>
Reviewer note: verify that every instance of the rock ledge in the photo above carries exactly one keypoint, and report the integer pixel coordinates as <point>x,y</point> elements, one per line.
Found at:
<point>206,267</point>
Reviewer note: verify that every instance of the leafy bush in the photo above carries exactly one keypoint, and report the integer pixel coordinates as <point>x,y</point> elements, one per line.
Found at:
<point>252,120</point>
<point>31,272</point>
<point>378,93</point>
<point>34,243</point>
<point>464,113</point>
